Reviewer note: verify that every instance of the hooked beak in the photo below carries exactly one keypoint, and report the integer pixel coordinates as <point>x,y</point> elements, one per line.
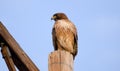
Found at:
<point>52,18</point>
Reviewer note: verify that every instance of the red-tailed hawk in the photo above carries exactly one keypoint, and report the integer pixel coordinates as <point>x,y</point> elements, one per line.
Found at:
<point>64,34</point>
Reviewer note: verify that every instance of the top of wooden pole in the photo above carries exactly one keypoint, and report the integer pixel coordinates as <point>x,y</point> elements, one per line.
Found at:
<point>60,60</point>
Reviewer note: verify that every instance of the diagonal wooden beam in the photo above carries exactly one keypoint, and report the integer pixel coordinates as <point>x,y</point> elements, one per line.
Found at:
<point>20,58</point>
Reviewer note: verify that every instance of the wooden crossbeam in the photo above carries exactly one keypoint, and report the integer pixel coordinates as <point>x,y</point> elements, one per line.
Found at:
<point>19,57</point>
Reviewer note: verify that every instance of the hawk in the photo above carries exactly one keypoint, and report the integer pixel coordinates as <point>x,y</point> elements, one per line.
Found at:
<point>64,34</point>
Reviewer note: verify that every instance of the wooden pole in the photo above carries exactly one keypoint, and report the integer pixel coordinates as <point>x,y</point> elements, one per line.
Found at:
<point>60,61</point>
<point>7,57</point>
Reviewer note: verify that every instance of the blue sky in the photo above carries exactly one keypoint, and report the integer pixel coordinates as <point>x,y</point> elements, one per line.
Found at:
<point>97,22</point>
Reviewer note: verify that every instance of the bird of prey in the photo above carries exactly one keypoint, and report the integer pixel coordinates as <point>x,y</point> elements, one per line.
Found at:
<point>64,34</point>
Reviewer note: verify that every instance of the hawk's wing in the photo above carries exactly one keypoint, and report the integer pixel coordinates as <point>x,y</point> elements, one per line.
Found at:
<point>54,39</point>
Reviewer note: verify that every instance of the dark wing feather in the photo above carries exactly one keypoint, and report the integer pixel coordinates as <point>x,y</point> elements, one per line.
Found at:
<point>54,39</point>
<point>75,47</point>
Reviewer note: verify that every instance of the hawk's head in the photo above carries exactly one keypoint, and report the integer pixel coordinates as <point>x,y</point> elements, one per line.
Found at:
<point>59,16</point>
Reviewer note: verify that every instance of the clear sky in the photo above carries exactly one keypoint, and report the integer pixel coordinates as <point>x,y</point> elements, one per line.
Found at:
<point>97,22</point>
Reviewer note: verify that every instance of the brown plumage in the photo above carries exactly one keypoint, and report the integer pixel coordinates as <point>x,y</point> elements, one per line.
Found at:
<point>64,34</point>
